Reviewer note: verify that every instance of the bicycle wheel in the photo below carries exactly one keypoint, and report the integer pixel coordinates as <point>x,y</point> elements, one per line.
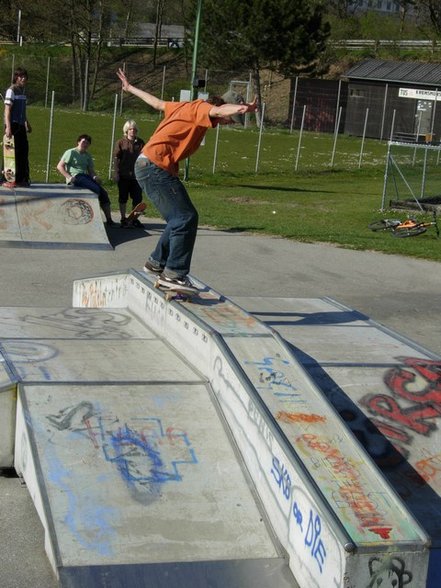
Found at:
<point>383,225</point>
<point>408,231</point>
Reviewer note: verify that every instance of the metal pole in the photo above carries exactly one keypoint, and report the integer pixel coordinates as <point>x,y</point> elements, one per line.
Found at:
<point>86,86</point>
<point>386,172</point>
<point>260,138</point>
<point>335,136</point>
<point>300,137</point>
<point>247,115</point>
<point>49,143</point>
<point>294,105</point>
<point>163,82</point>
<point>338,103</point>
<point>384,111</point>
<point>418,134</point>
<point>47,80</point>
<point>216,147</point>
<point>364,135</point>
<point>423,179</point>
<point>423,183</point>
<point>432,126</point>
<point>122,92</point>
<point>18,26</point>
<point>193,89</point>
<point>392,125</point>
<point>113,136</point>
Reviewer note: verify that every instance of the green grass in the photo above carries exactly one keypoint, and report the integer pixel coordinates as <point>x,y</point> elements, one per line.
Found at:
<point>316,203</point>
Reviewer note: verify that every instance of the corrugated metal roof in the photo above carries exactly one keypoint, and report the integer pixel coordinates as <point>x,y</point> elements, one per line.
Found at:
<point>428,74</point>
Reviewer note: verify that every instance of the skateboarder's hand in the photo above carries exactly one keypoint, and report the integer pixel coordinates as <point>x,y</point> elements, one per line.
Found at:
<point>124,81</point>
<point>252,106</point>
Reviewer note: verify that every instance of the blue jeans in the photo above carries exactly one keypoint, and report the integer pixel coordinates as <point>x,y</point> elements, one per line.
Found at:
<point>85,181</point>
<point>168,194</point>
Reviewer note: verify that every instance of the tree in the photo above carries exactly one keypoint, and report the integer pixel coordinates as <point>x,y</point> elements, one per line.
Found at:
<point>281,35</point>
<point>429,12</point>
<point>89,25</point>
<point>343,8</point>
<point>405,7</point>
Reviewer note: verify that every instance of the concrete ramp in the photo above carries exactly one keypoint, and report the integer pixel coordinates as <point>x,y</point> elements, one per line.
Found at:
<point>386,388</point>
<point>333,511</point>
<point>51,216</point>
<point>127,458</point>
<point>169,443</point>
<point>128,476</point>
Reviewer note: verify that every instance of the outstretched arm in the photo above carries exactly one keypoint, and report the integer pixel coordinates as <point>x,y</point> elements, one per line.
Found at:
<point>151,100</point>
<point>226,110</point>
<point>62,168</point>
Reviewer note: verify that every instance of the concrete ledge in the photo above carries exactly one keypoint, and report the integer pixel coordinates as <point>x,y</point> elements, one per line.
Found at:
<point>51,216</point>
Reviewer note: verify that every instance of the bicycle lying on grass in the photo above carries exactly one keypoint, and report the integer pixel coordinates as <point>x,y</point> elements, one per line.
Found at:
<point>407,228</point>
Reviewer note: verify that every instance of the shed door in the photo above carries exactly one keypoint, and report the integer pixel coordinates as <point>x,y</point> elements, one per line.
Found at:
<point>423,117</point>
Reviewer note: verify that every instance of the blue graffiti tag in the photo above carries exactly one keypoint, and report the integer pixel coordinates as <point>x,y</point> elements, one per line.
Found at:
<point>141,455</point>
<point>272,376</point>
<point>311,537</point>
<point>282,477</point>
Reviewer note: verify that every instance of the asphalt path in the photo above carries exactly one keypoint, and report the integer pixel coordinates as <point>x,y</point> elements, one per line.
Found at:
<point>401,293</point>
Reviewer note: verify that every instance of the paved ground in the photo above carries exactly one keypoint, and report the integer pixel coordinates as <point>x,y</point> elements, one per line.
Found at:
<point>402,294</point>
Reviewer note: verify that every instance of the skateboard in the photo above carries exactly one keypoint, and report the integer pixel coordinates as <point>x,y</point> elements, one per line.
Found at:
<point>177,292</point>
<point>9,159</point>
<point>136,212</point>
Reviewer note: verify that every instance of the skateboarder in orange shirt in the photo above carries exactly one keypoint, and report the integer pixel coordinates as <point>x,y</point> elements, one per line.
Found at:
<point>177,137</point>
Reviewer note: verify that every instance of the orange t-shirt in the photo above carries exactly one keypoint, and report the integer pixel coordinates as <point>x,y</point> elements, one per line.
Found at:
<point>179,134</point>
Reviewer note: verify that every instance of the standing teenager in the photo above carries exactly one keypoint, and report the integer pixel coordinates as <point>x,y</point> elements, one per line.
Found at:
<point>17,126</point>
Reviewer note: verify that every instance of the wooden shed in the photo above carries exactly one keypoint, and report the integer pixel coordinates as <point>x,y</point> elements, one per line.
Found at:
<point>394,99</point>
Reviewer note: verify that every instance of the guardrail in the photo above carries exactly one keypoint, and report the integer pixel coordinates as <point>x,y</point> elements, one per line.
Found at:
<point>402,43</point>
<point>170,42</point>
<point>178,42</point>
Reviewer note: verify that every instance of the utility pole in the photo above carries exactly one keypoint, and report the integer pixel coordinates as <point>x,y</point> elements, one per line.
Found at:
<point>18,26</point>
<point>194,81</point>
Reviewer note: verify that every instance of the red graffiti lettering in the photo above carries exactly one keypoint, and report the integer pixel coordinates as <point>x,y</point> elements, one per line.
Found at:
<point>299,417</point>
<point>351,491</point>
<point>391,432</point>
<point>412,417</point>
<point>398,379</point>
<point>384,532</point>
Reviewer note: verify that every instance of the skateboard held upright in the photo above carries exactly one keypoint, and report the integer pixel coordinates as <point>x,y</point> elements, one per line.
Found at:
<point>9,159</point>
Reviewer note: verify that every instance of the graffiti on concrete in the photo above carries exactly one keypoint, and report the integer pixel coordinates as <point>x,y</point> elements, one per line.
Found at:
<point>388,572</point>
<point>351,492</point>
<point>228,317</point>
<point>84,323</point>
<point>98,293</point>
<point>413,406</point>
<point>144,453</point>
<point>272,377</point>
<point>76,211</point>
